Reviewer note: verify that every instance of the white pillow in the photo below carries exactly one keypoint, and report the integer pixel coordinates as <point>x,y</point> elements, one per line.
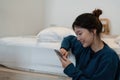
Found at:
<point>54,34</point>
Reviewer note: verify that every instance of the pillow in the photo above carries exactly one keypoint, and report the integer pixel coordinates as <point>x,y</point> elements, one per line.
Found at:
<point>54,34</point>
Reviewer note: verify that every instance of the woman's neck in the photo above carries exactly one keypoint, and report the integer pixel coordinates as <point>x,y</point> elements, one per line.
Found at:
<point>97,45</point>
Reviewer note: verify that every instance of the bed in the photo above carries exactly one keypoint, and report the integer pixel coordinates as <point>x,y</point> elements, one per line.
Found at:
<point>36,53</point>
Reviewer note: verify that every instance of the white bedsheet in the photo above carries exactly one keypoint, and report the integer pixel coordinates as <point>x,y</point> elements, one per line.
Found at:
<point>27,54</point>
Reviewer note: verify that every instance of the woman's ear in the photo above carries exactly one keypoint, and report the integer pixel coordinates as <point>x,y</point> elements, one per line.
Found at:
<point>94,31</point>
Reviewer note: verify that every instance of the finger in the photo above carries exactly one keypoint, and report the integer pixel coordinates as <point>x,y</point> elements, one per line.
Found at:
<point>62,51</point>
<point>66,54</point>
<point>64,58</point>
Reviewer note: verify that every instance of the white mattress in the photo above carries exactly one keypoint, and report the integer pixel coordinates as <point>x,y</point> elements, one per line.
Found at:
<point>26,53</point>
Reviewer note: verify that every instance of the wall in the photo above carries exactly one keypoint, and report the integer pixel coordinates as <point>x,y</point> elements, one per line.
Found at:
<point>20,17</point>
<point>28,17</point>
<point>63,12</point>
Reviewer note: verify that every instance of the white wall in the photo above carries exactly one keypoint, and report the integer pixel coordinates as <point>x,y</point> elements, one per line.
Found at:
<point>20,17</point>
<point>28,17</point>
<point>63,12</point>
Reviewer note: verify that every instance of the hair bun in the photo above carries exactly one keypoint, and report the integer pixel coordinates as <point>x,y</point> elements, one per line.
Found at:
<point>97,12</point>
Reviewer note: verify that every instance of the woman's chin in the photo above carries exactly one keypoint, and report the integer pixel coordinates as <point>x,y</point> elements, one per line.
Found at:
<point>84,45</point>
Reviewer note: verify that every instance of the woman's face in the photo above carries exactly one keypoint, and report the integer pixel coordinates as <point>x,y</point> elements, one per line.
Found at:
<point>84,36</point>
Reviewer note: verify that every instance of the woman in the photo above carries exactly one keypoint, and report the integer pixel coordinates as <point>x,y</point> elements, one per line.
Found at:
<point>95,60</point>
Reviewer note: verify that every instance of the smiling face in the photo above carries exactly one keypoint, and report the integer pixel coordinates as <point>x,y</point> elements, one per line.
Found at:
<point>84,36</point>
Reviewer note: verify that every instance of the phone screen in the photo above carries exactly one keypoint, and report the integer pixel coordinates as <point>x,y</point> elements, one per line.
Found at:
<point>58,53</point>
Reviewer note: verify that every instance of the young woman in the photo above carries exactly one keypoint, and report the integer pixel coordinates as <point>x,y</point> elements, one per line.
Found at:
<point>95,60</point>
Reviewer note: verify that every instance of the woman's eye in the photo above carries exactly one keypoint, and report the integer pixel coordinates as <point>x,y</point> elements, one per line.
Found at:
<point>79,33</point>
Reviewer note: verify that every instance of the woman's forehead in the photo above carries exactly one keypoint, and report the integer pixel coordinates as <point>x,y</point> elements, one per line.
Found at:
<point>79,29</point>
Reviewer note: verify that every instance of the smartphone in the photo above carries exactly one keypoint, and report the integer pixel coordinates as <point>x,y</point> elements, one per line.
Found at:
<point>58,53</point>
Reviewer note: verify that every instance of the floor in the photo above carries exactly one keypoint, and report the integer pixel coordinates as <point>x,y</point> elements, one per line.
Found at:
<point>10,74</point>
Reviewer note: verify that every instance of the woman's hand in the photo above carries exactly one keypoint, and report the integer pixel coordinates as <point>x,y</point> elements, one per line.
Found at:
<point>65,61</point>
<point>64,52</point>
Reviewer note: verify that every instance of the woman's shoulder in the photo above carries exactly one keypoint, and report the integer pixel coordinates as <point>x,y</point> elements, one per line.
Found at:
<point>109,52</point>
<point>108,49</point>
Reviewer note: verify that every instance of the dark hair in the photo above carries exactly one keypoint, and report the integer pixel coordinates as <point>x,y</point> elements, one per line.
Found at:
<point>89,21</point>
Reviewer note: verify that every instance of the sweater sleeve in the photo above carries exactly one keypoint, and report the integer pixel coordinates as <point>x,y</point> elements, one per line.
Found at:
<point>73,72</point>
<point>67,42</point>
<point>106,70</point>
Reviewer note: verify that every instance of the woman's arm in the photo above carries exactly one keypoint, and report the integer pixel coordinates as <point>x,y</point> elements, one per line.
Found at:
<point>106,70</point>
<point>66,45</point>
<point>67,42</point>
